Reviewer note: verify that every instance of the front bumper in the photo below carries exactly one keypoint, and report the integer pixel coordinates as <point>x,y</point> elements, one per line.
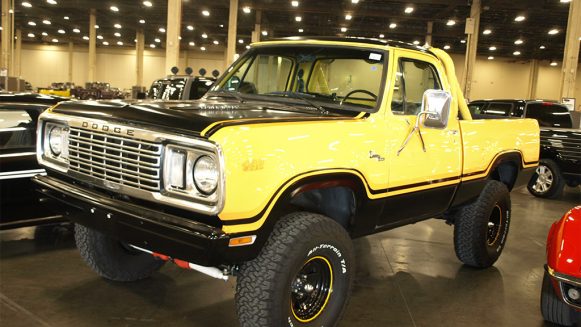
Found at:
<point>563,283</point>
<point>153,230</point>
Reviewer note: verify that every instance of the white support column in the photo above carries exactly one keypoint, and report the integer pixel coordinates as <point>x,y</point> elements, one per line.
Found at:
<point>533,79</point>
<point>71,58</point>
<point>92,46</point>
<point>232,25</point>
<point>472,29</point>
<point>429,33</point>
<point>172,44</point>
<point>257,27</point>
<point>18,55</point>
<point>139,52</point>
<point>571,56</point>
<point>6,36</point>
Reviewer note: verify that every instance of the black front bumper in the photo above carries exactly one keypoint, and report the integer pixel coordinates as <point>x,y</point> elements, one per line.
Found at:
<point>156,231</point>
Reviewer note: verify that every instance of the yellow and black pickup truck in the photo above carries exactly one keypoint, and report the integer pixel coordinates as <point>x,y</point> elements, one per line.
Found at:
<point>301,146</point>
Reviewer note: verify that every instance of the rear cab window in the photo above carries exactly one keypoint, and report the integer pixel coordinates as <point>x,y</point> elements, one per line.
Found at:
<point>549,114</point>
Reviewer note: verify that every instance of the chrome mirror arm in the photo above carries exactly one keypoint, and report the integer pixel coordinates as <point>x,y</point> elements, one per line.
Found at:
<point>416,129</point>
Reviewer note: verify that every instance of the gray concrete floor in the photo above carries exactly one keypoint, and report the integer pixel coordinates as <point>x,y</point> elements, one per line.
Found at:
<point>406,277</point>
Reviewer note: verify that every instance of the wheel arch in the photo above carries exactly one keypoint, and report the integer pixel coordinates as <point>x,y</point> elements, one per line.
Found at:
<point>506,169</point>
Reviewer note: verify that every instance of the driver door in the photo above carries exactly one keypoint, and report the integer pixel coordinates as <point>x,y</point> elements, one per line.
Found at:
<point>421,182</point>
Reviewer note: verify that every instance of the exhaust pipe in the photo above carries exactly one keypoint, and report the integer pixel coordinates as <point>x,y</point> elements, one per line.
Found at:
<point>209,271</point>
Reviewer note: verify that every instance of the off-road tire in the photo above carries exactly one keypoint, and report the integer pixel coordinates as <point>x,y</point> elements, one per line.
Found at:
<point>554,309</point>
<point>264,292</point>
<point>112,259</point>
<point>475,243</point>
<point>551,174</point>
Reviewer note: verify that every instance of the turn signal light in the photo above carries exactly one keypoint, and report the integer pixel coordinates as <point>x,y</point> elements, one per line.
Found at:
<point>242,241</point>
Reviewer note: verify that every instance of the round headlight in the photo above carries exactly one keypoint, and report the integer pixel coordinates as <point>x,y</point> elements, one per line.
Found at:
<point>55,140</point>
<point>206,175</point>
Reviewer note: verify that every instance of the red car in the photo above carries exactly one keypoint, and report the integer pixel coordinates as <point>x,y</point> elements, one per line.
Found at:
<point>561,292</point>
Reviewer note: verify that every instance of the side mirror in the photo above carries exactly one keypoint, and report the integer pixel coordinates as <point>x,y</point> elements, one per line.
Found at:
<point>436,108</point>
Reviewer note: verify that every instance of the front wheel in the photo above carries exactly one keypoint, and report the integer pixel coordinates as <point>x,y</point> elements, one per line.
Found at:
<point>113,259</point>
<point>302,277</point>
<point>481,228</point>
<point>553,308</point>
<point>547,181</point>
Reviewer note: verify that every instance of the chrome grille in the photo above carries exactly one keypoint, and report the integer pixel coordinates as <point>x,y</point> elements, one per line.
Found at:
<point>117,159</point>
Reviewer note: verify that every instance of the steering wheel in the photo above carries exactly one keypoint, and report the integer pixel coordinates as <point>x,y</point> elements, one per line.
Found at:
<point>358,91</point>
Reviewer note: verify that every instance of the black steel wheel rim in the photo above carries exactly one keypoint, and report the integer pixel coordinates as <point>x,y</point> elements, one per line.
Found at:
<point>494,225</point>
<point>311,289</point>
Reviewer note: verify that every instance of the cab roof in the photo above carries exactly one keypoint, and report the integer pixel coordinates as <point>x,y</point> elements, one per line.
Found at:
<point>364,40</point>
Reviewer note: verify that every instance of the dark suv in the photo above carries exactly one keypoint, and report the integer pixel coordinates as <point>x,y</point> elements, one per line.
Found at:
<point>560,154</point>
<point>549,114</point>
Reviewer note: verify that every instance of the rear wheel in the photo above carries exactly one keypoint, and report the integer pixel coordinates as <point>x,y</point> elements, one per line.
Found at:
<point>481,228</point>
<point>554,309</point>
<point>113,259</point>
<point>302,277</point>
<point>547,181</point>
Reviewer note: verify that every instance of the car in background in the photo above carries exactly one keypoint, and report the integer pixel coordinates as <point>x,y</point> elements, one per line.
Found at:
<point>561,291</point>
<point>560,151</point>
<point>548,114</point>
<point>180,87</point>
<point>20,204</point>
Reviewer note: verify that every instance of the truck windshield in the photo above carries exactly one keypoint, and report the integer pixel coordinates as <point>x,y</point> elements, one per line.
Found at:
<point>167,89</point>
<point>331,77</point>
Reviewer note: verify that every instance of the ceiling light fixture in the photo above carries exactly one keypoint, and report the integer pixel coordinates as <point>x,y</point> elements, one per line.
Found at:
<point>343,29</point>
<point>52,2</point>
<point>190,28</point>
<point>554,31</point>
<point>30,35</point>
<point>216,42</point>
<point>114,8</point>
<point>348,17</point>
<point>117,26</point>
<point>241,41</point>
<point>46,22</point>
<point>392,25</point>
<point>26,4</point>
<point>447,47</point>
<point>152,46</point>
<point>147,3</point>
<point>519,18</point>
<point>205,13</point>
<point>516,53</point>
<point>119,43</point>
<point>298,18</point>
<point>205,36</point>
<point>490,58</point>
<point>492,48</point>
<point>97,27</point>
<point>161,30</point>
<point>100,37</point>
<point>142,21</point>
<point>486,32</point>
<point>203,48</point>
<point>55,40</point>
<point>264,33</point>
<point>301,30</point>
<point>519,41</point>
<point>542,47</point>
<point>76,30</point>
<point>61,31</point>
<point>553,63</point>
<point>409,10</point>
<point>105,43</point>
<point>416,42</point>
<point>246,10</point>
<point>451,22</point>
<point>117,34</point>
<point>66,18</point>
<point>192,44</point>
<point>86,38</point>
<point>31,23</point>
<point>381,36</point>
<point>294,3</point>
<point>354,2</point>
<point>463,41</point>
<point>157,40</point>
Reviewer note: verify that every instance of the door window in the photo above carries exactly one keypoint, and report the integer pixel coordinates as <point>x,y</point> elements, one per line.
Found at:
<point>413,78</point>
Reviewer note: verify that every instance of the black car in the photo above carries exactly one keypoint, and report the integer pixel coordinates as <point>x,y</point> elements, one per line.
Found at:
<point>560,151</point>
<point>548,114</point>
<point>20,204</point>
<point>180,87</point>
<point>560,162</point>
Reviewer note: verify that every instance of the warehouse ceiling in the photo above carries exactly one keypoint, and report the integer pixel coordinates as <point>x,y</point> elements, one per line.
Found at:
<point>205,23</point>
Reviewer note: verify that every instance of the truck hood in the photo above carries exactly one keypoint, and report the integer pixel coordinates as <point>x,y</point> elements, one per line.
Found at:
<point>200,118</point>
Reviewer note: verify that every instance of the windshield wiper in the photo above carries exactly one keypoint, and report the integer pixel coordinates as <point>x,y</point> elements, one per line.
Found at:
<point>301,96</point>
<point>227,93</point>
